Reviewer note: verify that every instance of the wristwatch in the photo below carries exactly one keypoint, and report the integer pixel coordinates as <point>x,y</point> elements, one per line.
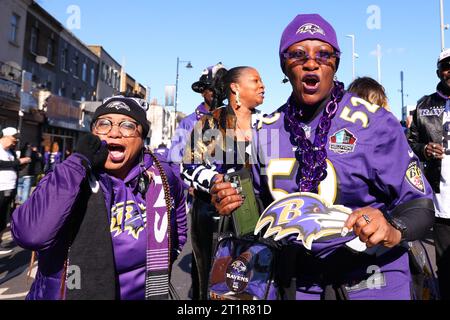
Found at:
<point>400,226</point>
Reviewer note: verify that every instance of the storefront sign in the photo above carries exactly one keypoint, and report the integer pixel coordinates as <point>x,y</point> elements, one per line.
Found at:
<point>27,100</point>
<point>9,90</point>
<point>64,113</point>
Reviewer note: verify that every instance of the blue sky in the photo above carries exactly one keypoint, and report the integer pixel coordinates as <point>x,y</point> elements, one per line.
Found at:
<point>150,35</point>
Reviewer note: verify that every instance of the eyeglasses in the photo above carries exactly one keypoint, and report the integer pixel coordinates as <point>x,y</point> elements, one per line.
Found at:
<point>127,128</point>
<point>141,102</point>
<point>300,56</point>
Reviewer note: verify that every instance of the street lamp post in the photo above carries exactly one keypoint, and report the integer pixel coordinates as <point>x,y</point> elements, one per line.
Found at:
<point>378,54</point>
<point>354,55</point>
<point>403,101</point>
<point>189,66</point>
<point>443,26</point>
<point>19,127</point>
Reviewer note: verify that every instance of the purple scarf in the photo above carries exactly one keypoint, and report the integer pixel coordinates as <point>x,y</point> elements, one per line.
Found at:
<point>158,239</point>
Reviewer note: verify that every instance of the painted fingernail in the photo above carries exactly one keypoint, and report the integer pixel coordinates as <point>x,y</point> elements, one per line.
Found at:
<point>234,185</point>
<point>344,231</point>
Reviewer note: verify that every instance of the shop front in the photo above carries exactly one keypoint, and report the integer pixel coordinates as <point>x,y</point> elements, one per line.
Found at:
<point>28,123</point>
<point>65,121</point>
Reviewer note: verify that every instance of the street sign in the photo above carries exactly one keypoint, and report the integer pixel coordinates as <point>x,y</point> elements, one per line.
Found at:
<point>170,96</point>
<point>27,100</point>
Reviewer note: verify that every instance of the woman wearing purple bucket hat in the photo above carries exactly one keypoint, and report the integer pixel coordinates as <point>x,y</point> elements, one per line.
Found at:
<point>351,153</point>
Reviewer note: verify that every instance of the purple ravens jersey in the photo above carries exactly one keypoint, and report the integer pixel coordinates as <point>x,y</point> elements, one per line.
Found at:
<point>369,164</point>
<point>128,229</point>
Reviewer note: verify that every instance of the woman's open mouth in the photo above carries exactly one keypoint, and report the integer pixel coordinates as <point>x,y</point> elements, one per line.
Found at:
<point>116,152</point>
<point>261,95</point>
<point>311,83</point>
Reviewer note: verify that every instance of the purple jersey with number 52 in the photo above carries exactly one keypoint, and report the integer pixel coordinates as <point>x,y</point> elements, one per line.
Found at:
<point>369,164</point>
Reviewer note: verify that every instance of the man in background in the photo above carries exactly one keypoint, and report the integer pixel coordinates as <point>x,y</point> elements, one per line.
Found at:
<point>9,167</point>
<point>28,172</point>
<point>429,138</point>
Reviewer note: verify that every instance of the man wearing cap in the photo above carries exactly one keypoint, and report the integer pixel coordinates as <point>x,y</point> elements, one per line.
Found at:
<point>349,152</point>
<point>186,125</point>
<point>202,224</point>
<point>429,136</point>
<point>112,210</point>
<point>9,166</point>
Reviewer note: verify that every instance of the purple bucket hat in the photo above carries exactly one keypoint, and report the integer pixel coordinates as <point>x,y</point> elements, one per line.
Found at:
<point>307,27</point>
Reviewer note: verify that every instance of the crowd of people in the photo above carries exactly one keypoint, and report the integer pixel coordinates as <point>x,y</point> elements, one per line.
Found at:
<point>118,210</point>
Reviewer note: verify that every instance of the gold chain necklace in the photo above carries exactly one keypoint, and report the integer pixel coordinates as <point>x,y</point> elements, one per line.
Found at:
<point>245,133</point>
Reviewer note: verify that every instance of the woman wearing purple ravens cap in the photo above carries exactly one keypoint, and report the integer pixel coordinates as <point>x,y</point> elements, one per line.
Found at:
<point>327,141</point>
<point>108,222</point>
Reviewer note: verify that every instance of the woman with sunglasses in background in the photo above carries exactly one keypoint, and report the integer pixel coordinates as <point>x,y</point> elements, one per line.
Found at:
<point>109,221</point>
<point>353,153</point>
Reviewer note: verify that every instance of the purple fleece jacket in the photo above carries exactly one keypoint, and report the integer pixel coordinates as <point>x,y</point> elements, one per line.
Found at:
<point>40,225</point>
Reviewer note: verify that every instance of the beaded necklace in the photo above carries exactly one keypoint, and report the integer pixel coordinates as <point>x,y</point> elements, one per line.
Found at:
<point>312,156</point>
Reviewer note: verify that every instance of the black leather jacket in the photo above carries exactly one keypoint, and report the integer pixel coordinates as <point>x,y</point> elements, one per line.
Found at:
<point>427,127</point>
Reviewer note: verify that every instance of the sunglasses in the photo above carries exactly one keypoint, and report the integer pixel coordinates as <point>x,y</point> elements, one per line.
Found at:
<point>301,57</point>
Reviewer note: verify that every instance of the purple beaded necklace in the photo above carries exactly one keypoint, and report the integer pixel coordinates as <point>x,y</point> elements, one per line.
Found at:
<point>312,157</point>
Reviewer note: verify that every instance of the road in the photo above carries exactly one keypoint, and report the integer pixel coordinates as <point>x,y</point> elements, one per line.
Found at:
<point>14,267</point>
<point>16,280</point>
